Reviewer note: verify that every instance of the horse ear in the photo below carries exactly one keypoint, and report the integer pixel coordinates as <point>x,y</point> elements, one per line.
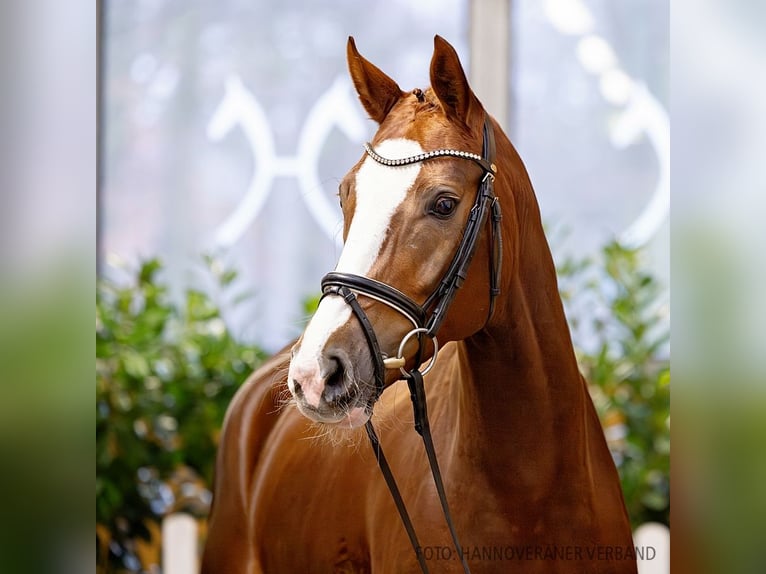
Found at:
<point>377,92</point>
<point>449,83</point>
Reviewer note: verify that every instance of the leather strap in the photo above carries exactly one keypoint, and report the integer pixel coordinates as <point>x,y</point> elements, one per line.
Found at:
<point>458,269</point>
<point>344,285</point>
<point>379,291</point>
<point>422,426</point>
<point>420,410</point>
<point>484,163</point>
<point>496,252</point>
<point>369,333</point>
<point>385,470</point>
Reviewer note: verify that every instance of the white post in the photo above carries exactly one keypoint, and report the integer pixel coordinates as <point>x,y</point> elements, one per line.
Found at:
<point>179,545</point>
<point>490,56</point>
<point>652,540</point>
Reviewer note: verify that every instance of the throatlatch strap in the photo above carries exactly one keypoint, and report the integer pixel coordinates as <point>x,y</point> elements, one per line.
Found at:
<point>395,494</point>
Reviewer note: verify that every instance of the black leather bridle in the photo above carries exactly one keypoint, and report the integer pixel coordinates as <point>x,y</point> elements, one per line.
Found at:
<point>426,318</point>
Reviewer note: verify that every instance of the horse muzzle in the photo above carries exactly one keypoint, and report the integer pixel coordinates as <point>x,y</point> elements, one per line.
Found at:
<point>328,387</point>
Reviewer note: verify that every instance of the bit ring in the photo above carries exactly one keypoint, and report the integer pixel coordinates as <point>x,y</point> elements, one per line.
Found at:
<point>407,337</point>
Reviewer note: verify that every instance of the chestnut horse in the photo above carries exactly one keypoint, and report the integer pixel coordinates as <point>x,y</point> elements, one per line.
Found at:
<point>528,476</point>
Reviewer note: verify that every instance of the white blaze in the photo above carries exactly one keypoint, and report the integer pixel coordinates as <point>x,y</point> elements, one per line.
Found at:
<point>380,190</point>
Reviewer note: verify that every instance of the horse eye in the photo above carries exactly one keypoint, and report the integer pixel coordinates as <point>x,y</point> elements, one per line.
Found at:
<point>444,206</point>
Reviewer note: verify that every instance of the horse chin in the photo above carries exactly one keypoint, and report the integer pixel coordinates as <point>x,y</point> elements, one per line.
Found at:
<point>352,418</point>
<point>356,417</point>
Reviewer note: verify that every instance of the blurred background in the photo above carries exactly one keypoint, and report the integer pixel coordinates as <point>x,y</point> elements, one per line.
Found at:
<point>228,126</point>
<point>225,129</point>
<point>50,53</point>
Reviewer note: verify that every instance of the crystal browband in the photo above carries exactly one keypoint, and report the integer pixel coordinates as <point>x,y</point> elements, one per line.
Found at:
<point>488,167</point>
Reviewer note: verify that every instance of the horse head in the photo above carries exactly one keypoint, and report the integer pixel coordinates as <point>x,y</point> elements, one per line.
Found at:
<point>402,227</point>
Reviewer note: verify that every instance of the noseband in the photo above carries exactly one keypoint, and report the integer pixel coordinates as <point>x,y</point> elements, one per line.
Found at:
<point>426,318</point>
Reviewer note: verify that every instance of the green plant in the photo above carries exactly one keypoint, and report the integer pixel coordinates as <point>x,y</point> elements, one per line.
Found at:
<point>165,374</point>
<point>621,333</point>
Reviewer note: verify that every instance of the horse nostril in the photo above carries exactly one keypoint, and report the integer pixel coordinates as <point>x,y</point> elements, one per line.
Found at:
<point>336,391</point>
<point>297,389</point>
<point>336,374</point>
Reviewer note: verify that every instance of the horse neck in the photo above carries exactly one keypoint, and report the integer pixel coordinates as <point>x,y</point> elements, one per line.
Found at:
<point>520,388</point>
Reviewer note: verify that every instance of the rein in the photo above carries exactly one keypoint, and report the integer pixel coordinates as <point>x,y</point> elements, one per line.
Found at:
<point>426,318</point>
